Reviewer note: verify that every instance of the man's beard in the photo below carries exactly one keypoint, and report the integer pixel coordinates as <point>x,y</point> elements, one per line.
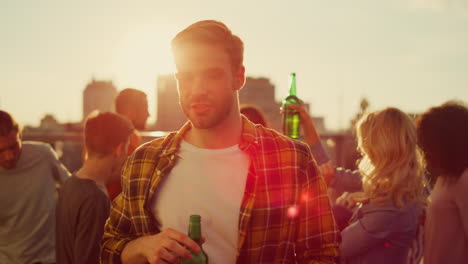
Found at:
<point>212,118</point>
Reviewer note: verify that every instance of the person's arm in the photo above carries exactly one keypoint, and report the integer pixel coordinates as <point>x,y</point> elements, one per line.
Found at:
<point>311,135</point>
<point>317,235</point>
<point>59,172</point>
<point>120,243</point>
<point>344,180</point>
<point>370,230</point>
<point>92,216</point>
<point>168,246</point>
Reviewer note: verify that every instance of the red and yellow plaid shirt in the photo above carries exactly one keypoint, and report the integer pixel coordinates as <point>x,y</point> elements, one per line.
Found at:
<point>285,214</point>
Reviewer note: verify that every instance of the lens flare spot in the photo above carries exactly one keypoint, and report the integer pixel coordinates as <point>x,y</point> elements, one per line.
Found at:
<point>305,197</point>
<point>293,211</point>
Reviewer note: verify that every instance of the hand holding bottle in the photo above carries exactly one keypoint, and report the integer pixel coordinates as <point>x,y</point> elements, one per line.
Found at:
<point>310,133</point>
<point>194,232</point>
<point>168,246</point>
<point>311,137</point>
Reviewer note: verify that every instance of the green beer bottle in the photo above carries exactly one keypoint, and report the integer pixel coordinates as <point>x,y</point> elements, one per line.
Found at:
<point>194,233</point>
<point>291,120</point>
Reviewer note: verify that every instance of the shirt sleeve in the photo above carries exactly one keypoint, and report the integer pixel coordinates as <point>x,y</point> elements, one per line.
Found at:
<point>344,180</point>
<point>370,230</point>
<point>317,239</point>
<point>59,172</point>
<point>92,216</point>
<point>117,230</point>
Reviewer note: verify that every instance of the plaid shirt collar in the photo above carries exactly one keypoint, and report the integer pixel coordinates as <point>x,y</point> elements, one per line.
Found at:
<point>249,138</point>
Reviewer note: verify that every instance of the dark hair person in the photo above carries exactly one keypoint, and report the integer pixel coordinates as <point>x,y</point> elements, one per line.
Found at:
<point>443,136</point>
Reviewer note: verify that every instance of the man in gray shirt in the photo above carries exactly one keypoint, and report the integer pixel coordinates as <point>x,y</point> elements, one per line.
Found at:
<point>28,173</point>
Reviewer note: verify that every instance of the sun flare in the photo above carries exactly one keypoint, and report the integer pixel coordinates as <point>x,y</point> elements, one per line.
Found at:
<point>140,56</point>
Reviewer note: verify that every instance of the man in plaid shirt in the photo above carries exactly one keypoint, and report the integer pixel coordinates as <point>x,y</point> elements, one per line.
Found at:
<point>259,193</point>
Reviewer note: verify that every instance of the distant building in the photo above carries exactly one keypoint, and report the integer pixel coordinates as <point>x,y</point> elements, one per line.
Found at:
<point>98,95</point>
<point>169,114</point>
<point>49,123</point>
<point>261,93</point>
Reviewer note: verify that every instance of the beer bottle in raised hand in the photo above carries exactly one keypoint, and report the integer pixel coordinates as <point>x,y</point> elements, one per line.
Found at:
<point>291,120</point>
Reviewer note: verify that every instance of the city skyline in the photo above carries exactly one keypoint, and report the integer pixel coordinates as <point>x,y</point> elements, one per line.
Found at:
<point>410,54</point>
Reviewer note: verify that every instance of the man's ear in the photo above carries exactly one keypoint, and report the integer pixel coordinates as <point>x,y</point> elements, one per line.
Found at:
<point>119,149</point>
<point>240,78</point>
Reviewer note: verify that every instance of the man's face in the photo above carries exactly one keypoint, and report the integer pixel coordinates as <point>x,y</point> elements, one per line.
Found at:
<point>141,114</point>
<point>207,84</point>
<point>10,149</point>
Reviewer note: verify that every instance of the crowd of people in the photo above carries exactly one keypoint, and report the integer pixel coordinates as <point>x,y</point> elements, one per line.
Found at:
<point>262,197</point>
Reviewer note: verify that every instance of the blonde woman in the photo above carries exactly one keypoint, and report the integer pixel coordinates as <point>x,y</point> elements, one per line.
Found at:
<point>386,211</point>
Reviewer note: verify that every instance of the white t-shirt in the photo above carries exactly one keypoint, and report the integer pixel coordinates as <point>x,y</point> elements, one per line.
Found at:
<point>210,183</point>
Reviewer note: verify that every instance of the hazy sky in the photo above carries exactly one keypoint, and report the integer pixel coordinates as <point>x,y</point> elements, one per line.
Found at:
<point>411,54</point>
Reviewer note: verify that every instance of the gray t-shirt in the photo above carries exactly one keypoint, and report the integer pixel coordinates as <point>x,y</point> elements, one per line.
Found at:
<point>27,206</point>
<point>82,210</point>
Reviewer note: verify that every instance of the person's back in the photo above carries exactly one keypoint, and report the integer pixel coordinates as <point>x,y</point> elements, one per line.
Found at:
<point>83,205</point>
<point>76,227</point>
<point>388,230</point>
<point>27,200</point>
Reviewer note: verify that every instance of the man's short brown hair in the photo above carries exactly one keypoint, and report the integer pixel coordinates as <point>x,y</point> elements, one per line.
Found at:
<point>7,124</point>
<point>105,131</point>
<point>212,32</point>
<point>127,99</point>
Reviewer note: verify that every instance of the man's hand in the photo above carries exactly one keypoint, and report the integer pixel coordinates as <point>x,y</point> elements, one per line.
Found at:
<point>305,117</point>
<point>310,133</point>
<point>166,247</point>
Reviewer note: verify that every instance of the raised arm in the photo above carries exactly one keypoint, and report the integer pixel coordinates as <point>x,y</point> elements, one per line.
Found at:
<point>337,178</point>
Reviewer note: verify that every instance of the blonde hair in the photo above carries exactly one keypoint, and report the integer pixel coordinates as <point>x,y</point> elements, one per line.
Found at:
<point>392,165</point>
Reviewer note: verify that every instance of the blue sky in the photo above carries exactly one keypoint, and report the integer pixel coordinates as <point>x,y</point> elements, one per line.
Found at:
<point>410,54</point>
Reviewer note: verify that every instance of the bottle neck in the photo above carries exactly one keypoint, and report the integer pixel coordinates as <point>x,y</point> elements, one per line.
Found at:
<point>195,231</point>
<point>292,85</point>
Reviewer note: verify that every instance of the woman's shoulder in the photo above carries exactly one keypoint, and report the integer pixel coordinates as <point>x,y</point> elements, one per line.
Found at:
<point>391,214</point>
<point>390,211</point>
